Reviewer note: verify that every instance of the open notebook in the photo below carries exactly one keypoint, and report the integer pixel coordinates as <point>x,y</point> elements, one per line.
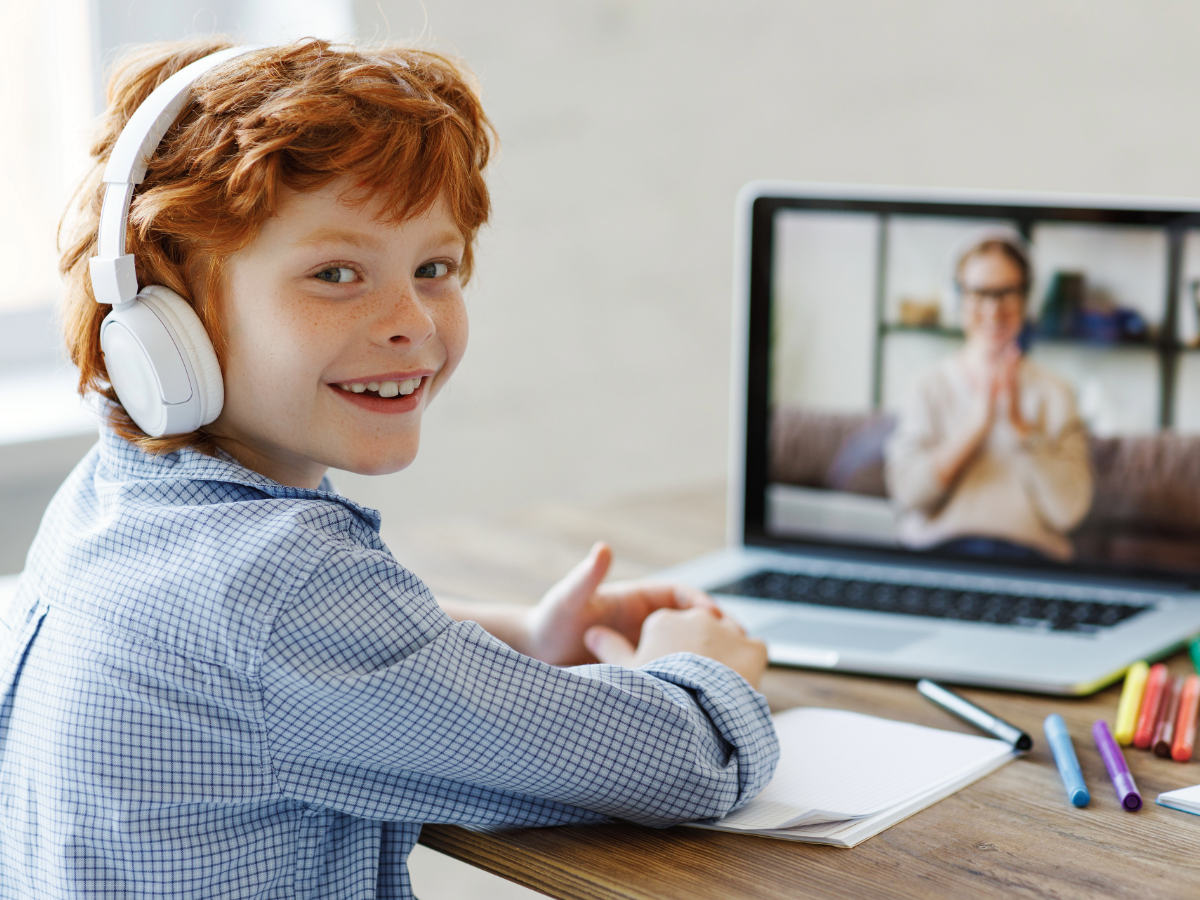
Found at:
<point>844,777</point>
<point>1185,800</point>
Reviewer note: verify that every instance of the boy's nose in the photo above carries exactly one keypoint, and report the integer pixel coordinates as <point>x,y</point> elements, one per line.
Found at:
<point>405,320</point>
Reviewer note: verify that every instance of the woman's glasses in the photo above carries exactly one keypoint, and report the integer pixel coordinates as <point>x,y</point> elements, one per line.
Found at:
<point>1012,295</point>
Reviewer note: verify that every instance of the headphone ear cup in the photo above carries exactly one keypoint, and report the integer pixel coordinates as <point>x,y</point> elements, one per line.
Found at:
<point>196,346</point>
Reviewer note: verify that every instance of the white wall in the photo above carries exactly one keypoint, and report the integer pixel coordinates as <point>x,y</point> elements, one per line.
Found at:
<point>599,354</point>
<point>118,23</point>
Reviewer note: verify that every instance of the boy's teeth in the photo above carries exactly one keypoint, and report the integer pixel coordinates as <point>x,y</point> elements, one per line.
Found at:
<point>383,388</point>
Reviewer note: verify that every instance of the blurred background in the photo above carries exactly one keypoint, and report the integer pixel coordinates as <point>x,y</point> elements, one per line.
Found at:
<point>599,352</point>
<point>599,356</point>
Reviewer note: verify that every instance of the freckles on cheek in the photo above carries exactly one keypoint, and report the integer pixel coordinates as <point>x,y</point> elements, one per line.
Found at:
<point>301,327</point>
<point>454,335</point>
<point>272,350</point>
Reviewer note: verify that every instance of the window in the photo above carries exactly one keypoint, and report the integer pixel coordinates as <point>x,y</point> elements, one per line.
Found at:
<point>46,80</point>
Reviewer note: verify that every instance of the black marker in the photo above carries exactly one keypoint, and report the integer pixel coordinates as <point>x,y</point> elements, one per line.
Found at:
<point>969,712</point>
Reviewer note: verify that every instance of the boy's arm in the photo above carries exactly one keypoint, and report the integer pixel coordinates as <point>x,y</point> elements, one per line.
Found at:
<point>377,705</point>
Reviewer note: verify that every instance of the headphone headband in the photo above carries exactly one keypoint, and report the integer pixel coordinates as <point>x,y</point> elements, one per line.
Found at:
<point>114,280</point>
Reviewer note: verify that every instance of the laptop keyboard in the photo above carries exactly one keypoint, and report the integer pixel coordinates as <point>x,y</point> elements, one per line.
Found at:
<point>995,608</point>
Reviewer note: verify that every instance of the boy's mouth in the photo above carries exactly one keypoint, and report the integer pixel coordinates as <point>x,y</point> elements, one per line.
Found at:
<point>390,396</point>
<point>384,389</point>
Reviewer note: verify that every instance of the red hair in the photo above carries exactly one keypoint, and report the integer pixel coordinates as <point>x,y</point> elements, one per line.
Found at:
<point>405,124</point>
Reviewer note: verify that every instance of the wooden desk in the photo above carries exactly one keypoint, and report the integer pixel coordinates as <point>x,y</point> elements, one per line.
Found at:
<point>1013,834</point>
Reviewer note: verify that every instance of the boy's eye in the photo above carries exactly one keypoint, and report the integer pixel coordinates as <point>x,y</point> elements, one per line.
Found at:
<point>433,270</point>
<point>337,275</point>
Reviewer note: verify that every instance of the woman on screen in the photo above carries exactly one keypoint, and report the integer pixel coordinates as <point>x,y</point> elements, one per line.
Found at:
<point>990,457</point>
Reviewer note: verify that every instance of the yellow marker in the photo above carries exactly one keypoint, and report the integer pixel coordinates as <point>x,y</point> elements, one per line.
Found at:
<point>1131,702</point>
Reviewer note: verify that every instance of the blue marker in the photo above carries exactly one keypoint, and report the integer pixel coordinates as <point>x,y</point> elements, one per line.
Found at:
<point>1064,757</point>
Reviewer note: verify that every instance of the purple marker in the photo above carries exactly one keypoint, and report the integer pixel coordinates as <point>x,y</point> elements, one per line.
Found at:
<point>1114,761</point>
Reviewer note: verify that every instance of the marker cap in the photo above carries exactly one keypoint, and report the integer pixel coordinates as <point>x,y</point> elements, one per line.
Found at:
<point>1127,791</point>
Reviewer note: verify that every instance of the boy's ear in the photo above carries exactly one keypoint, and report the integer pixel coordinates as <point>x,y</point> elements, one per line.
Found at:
<point>161,363</point>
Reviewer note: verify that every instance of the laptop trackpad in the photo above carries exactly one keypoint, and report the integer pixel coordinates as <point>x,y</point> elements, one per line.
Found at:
<point>838,636</point>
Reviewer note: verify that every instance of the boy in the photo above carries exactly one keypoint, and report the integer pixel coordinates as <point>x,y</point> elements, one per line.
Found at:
<point>215,680</point>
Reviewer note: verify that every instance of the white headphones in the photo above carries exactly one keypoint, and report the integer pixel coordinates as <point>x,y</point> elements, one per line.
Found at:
<point>159,358</point>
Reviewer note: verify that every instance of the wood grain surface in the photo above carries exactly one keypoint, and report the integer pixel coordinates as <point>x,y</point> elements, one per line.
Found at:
<point>1012,834</point>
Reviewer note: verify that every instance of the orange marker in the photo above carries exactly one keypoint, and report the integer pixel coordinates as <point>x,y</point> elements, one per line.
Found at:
<point>1185,725</point>
<point>1168,712</point>
<point>1155,688</point>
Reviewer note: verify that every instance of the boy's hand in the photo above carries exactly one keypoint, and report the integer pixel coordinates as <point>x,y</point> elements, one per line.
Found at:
<point>554,629</point>
<point>693,630</point>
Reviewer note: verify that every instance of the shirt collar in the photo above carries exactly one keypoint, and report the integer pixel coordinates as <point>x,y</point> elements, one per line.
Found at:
<point>126,462</point>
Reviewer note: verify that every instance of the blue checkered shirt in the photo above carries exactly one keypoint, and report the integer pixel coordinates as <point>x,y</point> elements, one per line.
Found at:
<point>215,686</point>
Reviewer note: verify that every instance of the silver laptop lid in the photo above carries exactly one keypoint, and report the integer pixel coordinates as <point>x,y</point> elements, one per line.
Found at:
<point>984,379</point>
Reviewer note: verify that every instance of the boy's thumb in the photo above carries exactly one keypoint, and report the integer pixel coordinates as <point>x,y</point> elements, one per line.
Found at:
<point>589,573</point>
<point>581,582</point>
<point>608,646</point>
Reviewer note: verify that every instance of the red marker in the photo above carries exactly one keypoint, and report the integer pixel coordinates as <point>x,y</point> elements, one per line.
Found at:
<point>1151,700</point>
<point>1164,731</point>
<point>1185,725</point>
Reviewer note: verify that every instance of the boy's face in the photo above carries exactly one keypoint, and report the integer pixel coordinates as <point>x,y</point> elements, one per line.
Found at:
<point>339,330</point>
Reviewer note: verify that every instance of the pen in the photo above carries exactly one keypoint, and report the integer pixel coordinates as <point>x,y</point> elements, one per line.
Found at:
<point>1064,757</point>
<point>1164,731</point>
<point>1151,700</point>
<point>1185,725</point>
<point>1131,702</point>
<point>969,712</point>
<point>1114,761</point>
<point>1194,652</point>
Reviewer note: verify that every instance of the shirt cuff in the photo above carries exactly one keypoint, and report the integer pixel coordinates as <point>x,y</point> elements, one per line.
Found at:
<point>739,713</point>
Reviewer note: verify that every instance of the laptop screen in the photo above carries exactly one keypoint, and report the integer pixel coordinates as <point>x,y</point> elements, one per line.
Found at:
<point>976,379</point>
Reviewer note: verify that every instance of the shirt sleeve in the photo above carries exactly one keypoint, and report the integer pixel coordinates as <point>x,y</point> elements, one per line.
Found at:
<point>377,704</point>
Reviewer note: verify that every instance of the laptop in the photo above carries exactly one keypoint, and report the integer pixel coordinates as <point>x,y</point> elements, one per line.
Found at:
<point>849,308</point>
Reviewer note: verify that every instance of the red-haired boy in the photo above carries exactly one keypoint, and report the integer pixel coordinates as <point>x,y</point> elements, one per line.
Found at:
<point>215,679</point>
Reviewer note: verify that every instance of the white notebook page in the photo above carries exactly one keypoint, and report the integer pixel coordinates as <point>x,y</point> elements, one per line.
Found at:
<point>836,766</point>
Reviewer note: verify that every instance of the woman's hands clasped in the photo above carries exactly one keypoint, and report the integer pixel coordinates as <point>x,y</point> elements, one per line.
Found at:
<point>996,386</point>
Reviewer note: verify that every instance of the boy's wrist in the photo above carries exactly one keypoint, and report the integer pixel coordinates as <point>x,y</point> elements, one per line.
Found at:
<point>506,622</point>
<point>519,629</point>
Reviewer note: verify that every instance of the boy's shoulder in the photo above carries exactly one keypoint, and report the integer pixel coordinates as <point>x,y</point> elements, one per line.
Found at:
<point>195,553</point>
<point>188,478</point>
